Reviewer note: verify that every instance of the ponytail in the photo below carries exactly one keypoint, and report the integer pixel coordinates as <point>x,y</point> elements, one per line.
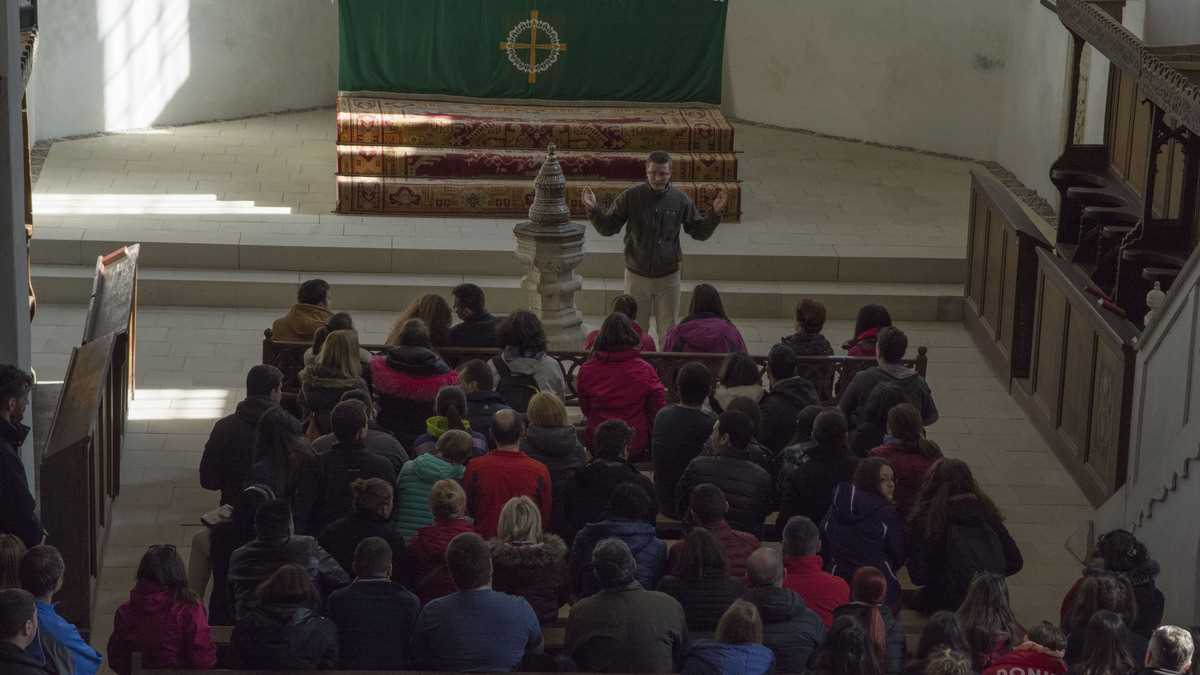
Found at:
<point>876,632</point>
<point>454,418</point>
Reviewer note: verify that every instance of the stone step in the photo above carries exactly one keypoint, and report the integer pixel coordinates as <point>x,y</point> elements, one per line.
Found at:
<point>393,292</point>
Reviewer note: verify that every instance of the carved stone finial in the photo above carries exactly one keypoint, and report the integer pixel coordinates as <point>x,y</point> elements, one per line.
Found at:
<point>1155,298</point>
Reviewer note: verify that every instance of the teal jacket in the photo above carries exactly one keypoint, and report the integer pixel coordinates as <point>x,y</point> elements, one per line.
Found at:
<point>410,511</point>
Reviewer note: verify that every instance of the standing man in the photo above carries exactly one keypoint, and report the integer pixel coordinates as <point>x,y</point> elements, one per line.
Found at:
<point>17,515</point>
<point>654,211</point>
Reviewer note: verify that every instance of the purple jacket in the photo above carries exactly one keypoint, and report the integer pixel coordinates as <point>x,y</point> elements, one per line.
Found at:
<point>706,333</point>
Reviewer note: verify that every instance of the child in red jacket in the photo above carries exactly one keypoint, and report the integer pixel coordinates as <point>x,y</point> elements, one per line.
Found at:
<point>1040,654</point>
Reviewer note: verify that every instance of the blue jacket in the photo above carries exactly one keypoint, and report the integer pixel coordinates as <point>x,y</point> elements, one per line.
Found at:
<point>862,529</point>
<point>60,646</point>
<point>706,657</point>
<point>649,551</point>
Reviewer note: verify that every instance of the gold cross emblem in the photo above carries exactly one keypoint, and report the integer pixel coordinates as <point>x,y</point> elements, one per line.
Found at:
<point>552,44</point>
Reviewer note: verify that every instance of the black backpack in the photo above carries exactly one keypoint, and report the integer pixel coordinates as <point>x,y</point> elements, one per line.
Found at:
<point>971,548</point>
<point>515,388</point>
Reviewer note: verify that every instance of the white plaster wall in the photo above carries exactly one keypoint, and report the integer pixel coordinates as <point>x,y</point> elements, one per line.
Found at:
<point>923,73</point>
<point>1172,22</point>
<point>120,64</point>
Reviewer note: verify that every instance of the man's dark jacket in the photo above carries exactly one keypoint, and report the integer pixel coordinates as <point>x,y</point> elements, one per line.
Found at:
<point>475,332</point>
<point>324,494</point>
<point>780,407</point>
<point>652,222</point>
<point>14,661</point>
<point>229,452</point>
<point>748,487</point>
<point>251,564</point>
<point>790,628</point>
<point>17,516</point>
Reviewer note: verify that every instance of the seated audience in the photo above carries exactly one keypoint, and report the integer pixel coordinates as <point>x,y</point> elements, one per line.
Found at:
<point>310,312</point>
<point>448,503</point>
<point>282,456</point>
<point>18,630</point>
<point>1041,652</point>
<point>941,633</point>
<point>627,522</point>
<point>339,321</point>
<point>552,440</point>
<point>433,310</point>
<point>370,518</point>
<point>790,629</point>
<point>592,489</point>
<point>523,368</point>
<point>870,320</point>
<point>475,628</point>
<point>868,591</point>
<point>738,648</point>
<point>163,619</point>
<point>503,473</point>
<point>822,592</point>
<point>407,378</point>
<point>909,453</point>
<point>624,628</point>
<point>795,452</point>
<point>410,511</point>
<point>483,401</point>
<point>988,621</point>
<point>808,341</point>
<point>893,343</point>
<point>379,441</point>
<point>955,532</point>
<point>788,395</point>
<point>12,549</point>
<point>478,326</point>
<point>871,428</point>
<point>335,371</point>
<point>738,377</point>
<point>1111,593</point>
<point>1172,650</point>
<point>282,630</point>
<point>528,562</point>
<point>324,494</point>
<point>746,485</point>
<point>450,409</point>
<point>707,509</point>
<point>627,305</point>
<point>862,528</point>
<point>1119,552</point>
<point>679,433</point>
<point>700,581</point>
<point>372,611</point>
<point>229,452</point>
<point>17,506</point>
<point>59,644</point>
<point>807,489</point>
<point>847,650</point>
<point>274,545</point>
<point>224,539</point>
<point>706,328</point>
<point>617,383</point>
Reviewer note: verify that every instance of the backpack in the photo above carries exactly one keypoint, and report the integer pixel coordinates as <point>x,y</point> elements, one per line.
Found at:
<point>515,388</point>
<point>971,548</point>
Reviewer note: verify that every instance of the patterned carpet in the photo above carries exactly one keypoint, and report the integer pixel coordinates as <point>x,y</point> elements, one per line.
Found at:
<point>440,158</point>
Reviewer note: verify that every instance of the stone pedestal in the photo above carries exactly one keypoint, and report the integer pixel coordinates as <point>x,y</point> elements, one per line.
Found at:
<point>552,247</point>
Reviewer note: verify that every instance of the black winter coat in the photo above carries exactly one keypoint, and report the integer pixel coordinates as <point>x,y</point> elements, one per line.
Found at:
<point>813,344</point>
<point>285,637</point>
<point>678,437</point>
<point>592,489</point>
<point>379,441</point>
<point>406,381</point>
<point>369,615</point>
<point>14,661</point>
<point>562,453</point>
<point>704,600</point>
<point>229,452</point>
<point>747,486</point>
<point>475,332</point>
<point>321,389</point>
<point>252,563</point>
<point>894,655</point>
<point>324,494</point>
<point>343,535</point>
<point>790,629</point>
<point>808,474</point>
<point>17,515</point>
<point>536,572</point>
<point>481,407</point>
<point>779,407</point>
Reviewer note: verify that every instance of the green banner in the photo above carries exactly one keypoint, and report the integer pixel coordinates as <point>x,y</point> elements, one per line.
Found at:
<point>583,50</point>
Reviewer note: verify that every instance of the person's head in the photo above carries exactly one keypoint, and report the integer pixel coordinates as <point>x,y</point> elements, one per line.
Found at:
<point>948,662</point>
<point>891,345</point>
<point>475,375</point>
<point>613,563</point>
<point>810,316</point>
<point>12,549</point>
<point>372,495</point>
<point>985,613</point>
<point>740,625</point>
<point>804,424</point>
<point>611,440</point>
<point>412,333</point>
<point>629,501</point>
<point>42,571</point>
<point>15,385</point>
<point>732,430</point>
<point>869,586</point>
<point>340,353</point>
<point>1104,591</point>
<point>245,508</point>
<point>278,438</point>
<point>507,428</point>
<point>1104,649</point>
<point>162,565</point>
<point>454,446</point>
<point>694,383</point>
<point>469,561</point>
<point>738,370</point>
<point>702,557</point>
<point>880,402</point>
<point>658,170</point>
<point>468,301</point>
<point>289,585</point>
<point>451,403</point>
<point>947,479</point>
<point>447,500</point>
<point>362,396</point>
<point>764,567</point>
<point>706,300</point>
<point>616,334</point>
<point>1120,551</point>
<point>1048,635</point>
<point>373,559</point>
<point>871,316</point>
<point>801,536</point>
<point>18,617</point>
<point>1171,648</point>
<point>349,421</point>
<point>942,631</point>
<point>707,504</point>
<point>339,321</point>
<point>875,475</point>
<point>273,520</point>
<point>847,650</point>
<point>626,304</point>
<point>520,520</point>
<point>829,429</point>
<point>265,381</point>
<point>313,292</point>
<point>747,407</point>
<point>781,363</point>
<point>435,312</point>
<point>545,410</point>
<point>523,331</point>
<point>904,424</point>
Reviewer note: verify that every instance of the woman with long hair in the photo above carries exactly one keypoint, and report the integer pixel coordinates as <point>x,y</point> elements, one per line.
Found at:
<point>1109,592</point>
<point>953,526</point>
<point>738,377</point>
<point>870,320</point>
<point>335,371</point>
<point>449,412</point>
<point>12,549</point>
<point>163,619</point>
<point>1104,648</point>
<point>1120,552</point>
<point>706,328</point>
<point>941,632</point>
<point>552,440</point>
<point>846,651</point>
<point>371,518</point>
<point>281,453</point>
<point>528,561</point>
<point>868,590</point>
<point>617,383</point>
<point>339,321</point>
<point>282,630</point>
<point>737,648</point>
<point>407,378</point>
<point>909,452</point>
<point>523,368</point>
<point>434,311</point>
<point>988,621</point>
<point>862,528</point>
<point>703,585</point>
<point>871,428</point>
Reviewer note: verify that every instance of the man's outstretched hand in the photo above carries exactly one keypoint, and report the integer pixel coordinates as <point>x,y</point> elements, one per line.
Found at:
<point>589,198</point>
<point>718,203</point>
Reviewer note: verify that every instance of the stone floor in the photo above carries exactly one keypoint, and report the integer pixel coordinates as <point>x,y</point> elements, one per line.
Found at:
<point>191,364</point>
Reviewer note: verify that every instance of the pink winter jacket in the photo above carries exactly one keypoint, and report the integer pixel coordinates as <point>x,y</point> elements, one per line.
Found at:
<point>620,385</point>
<point>168,633</point>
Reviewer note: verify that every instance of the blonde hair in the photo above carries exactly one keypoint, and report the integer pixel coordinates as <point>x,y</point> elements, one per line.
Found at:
<point>947,662</point>
<point>545,410</point>
<point>340,352</point>
<point>740,625</point>
<point>520,520</point>
<point>447,499</point>
<point>434,311</point>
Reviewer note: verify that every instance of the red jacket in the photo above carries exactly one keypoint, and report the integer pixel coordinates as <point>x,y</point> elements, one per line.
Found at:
<point>1029,658</point>
<point>910,467</point>
<point>647,344</point>
<point>735,544</point>
<point>624,386</point>
<point>168,633</point>
<point>427,550</point>
<point>822,592</point>
<point>863,344</point>
<point>493,479</point>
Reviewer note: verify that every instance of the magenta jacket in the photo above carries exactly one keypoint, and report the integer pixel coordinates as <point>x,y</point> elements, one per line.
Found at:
<point>707,333</point>
<point>620,385</point>
<point>169,634</point>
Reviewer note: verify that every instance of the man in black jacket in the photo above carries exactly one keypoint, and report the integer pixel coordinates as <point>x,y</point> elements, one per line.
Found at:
<point>679,433</point>
<point>890,348</point>
<point>747,486</point>
<point>17,504</point>
<point>371,611</point>
<point>790,628</point>
<point>229,452</point>
<point>478,327</point>
<point>789,395</point>
<point>378,440</point>
<point>18,630</point>
<point>483,401</point>
<point>591,490</point>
